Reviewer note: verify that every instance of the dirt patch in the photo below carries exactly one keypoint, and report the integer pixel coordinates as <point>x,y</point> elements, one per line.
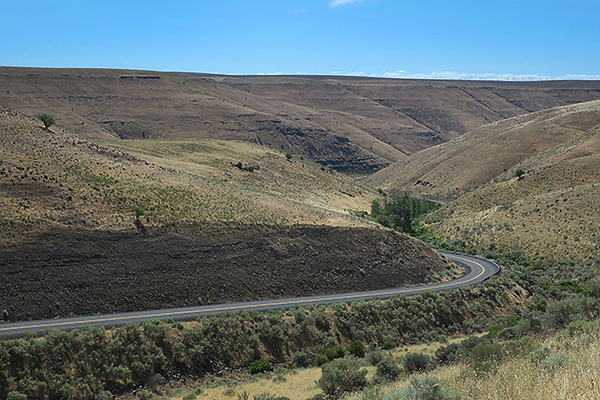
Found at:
<point>68,272</point>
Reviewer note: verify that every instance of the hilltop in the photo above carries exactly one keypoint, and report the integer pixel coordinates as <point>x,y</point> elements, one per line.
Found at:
<point>88,228</point>
<point>530,182</point>
<point>446,171</point>
<point>351,124</point>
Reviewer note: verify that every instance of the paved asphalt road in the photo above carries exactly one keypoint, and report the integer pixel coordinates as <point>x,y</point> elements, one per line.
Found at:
<point>481,269</point>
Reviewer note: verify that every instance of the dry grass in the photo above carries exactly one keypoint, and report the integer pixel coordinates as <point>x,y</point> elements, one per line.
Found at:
<point>524,380</point>
<point>298,386</point>
<point>516,379</point>
<point>56,178</point>
<point>478,157</point>
<point>550,210</point>
<point>351,123</point>
<point>254,168</point>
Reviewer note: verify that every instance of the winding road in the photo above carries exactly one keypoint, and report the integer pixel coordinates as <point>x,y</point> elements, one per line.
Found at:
<point>480,270</point>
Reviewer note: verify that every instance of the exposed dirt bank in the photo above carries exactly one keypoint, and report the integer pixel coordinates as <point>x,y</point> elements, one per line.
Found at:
<point>82,272</point>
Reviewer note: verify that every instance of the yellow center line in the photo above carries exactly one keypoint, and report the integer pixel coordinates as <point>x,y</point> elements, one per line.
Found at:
<point>239,307</point>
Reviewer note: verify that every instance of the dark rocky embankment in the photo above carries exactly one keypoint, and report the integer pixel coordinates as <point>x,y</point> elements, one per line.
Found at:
<point>66,272</point>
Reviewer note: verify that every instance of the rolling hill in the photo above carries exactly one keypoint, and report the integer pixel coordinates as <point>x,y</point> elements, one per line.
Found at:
<point>356,125</point>
<point>89,227</point>
<point>446,171</point>
<point>530,183</point>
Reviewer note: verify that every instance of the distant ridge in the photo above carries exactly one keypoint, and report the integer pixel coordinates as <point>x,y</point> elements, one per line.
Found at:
<point>351,124</point>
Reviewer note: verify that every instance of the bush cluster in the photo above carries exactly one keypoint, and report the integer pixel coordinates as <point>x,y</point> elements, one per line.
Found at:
<point>83,363</point>
<point>400,212</point>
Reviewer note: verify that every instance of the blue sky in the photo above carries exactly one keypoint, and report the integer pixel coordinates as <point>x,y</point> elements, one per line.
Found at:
<point>483,39</point>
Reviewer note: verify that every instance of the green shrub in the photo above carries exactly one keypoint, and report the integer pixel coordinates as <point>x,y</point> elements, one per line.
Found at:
<point>335,352</point>
<point>267,396</point>
<point>16,396</point>
<point>260,366</point>
<point>416,362</point>
<point>432,389</point>
<point>342,375</point>
<point>448,354</point>
<point>145,395</point>
<point>540,354</point>
<point>356,348</point>
<point>424,389</point>
<point>321,359</point>
<point>562,313</point>
<point>301,359</point>
<point>189,396</point>
<point>399,213</point>
<point>582,327</point>
<point>485,357</point>
<point>375,357</point>
<point>521,347</point>
<point>555,361</point>
<point>47,120</point>
<point>387,369</point>
<point>104,395</point>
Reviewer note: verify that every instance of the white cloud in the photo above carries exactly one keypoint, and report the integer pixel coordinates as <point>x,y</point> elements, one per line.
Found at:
<point>337,3</point>
<point>465,76</point>
<point>579,77</point>
<point>448,75</point>
<point>397,74</point>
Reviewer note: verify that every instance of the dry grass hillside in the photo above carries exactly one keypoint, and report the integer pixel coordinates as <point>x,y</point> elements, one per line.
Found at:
<point>88,228</point>
<point>257,169</point>
<point>550,210</point>
<point>55,177</point>
<point>357,125</point>
<point>446,171</point>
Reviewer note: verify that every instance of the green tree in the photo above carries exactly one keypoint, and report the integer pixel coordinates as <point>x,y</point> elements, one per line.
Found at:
<point>47,120</point>
<point>139,211</point>
<point>288,156</point>
<point>400,212</point>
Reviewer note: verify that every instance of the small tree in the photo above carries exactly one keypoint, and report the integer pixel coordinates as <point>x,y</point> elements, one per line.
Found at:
<point>288,156</point>
<point>519,173</point>
<point>139,211</point>
<point>47,120</point>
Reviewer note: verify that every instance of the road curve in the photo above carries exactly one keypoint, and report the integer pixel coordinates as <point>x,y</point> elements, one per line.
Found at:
<point>480,270</point>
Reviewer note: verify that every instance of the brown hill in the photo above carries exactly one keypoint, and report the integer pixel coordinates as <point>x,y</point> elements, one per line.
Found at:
<point>446,171</point>
<point>550,210</point>
<point>350,124</point>
<point>207,229</point>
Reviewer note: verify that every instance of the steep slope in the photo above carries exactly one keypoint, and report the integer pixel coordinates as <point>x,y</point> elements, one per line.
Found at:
<point>477,157</point>
<point>86,228</point>
<point>357,125</point>
<point>551,210</point>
